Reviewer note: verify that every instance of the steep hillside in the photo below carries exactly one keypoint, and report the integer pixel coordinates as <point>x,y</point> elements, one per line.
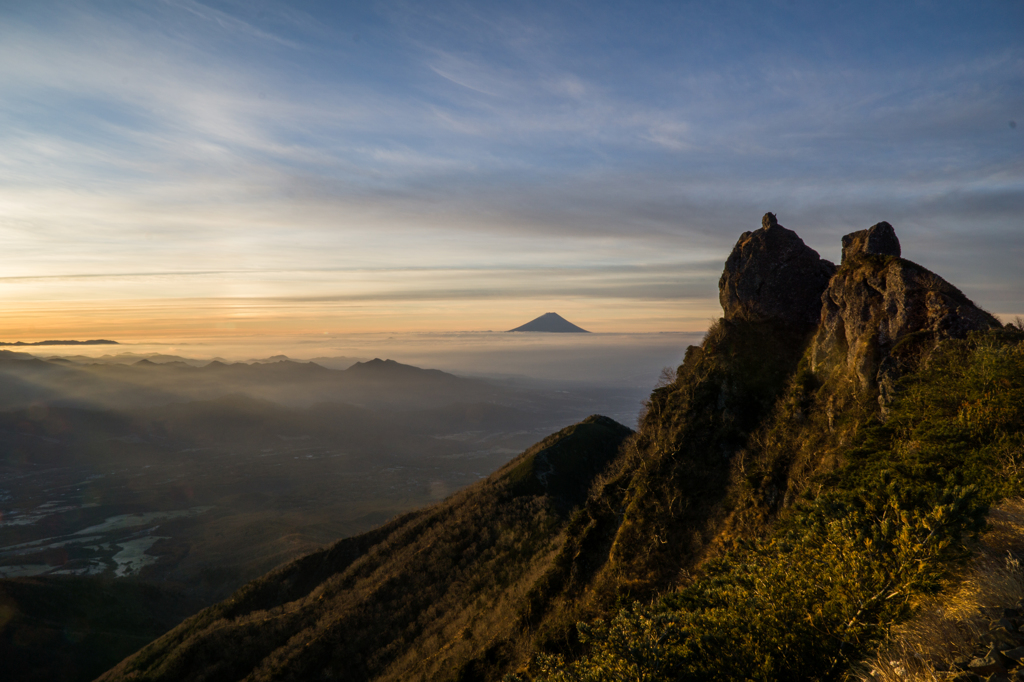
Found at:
<point>772,398</point>
<point>802,445</point>
<point>448,583</point>
<point>889,519</point>
<point>823,516</point>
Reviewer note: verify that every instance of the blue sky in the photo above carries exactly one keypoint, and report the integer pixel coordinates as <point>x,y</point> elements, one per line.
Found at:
<point>177,167</point>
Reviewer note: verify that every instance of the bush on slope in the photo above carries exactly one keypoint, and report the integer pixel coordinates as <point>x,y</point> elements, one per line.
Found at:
<point>814,597</point>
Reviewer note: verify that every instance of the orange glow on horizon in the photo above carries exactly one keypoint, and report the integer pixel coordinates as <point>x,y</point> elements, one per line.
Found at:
<point>169,320</point>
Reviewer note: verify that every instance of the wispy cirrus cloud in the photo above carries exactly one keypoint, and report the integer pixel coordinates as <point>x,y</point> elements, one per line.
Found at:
<point>268,135</point>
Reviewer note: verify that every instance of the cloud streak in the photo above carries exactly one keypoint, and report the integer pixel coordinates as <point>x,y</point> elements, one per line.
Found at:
<point>273,146</point>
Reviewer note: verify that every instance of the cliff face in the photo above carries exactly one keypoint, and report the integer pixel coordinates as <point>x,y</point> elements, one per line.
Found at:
<point>771,275</point>
<point>593,517</point>
<point>880,312</point>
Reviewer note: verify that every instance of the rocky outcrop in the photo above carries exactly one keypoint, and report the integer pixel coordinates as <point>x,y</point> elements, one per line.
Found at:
<point>873,314</point>
<point>772,276</point>
<point>879,239</point>
<point>879,310</point>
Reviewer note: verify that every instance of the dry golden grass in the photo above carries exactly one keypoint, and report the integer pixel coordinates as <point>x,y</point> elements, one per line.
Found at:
<point>950,625</point>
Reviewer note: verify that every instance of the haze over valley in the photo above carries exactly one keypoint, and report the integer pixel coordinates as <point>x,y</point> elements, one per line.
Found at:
<point>184,470</point>
<point>206,473</point>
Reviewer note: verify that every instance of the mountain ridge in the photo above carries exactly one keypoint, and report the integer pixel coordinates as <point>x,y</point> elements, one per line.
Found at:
<point>67,342</point>
<point>523,495</point>
<point>749,429</point>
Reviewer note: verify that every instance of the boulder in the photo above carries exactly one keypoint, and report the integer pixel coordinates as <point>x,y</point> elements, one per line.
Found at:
<point>772,276</point>
<point>993,663</point>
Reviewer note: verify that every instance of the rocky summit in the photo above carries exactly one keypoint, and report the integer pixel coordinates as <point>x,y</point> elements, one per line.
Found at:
<point>873,314</point>
<point>772,276</point>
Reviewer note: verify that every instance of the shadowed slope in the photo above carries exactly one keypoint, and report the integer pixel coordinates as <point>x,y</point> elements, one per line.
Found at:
<point>66,628</point>
<point>420,598</point>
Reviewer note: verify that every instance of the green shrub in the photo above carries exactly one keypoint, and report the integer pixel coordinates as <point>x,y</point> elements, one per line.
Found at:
<point>837,572</point>
<point>811,600</point>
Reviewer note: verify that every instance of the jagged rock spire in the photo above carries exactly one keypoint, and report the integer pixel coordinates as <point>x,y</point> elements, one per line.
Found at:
<point>772,276</point>
<point>862,310</point>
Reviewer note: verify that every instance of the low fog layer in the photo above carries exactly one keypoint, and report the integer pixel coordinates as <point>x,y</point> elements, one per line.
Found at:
<point>596,359</point>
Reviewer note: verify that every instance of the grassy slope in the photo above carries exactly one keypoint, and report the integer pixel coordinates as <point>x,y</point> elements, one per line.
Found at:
<point>887,511</point>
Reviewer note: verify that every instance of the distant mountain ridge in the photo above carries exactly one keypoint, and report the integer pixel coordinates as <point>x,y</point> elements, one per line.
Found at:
<point>550,322</point>
<point>52,342</point>
<point>156,380</point>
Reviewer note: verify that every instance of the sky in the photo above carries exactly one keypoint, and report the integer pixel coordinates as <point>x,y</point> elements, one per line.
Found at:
<point>175,169</point>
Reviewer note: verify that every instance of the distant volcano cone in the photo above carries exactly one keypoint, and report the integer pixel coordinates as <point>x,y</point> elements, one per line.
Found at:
<point>550,322</point>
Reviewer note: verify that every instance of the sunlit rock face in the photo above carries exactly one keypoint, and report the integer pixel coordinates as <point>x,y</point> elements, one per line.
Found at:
<point>772,276</point>
<point>879,311</point>
<point>876,315</point>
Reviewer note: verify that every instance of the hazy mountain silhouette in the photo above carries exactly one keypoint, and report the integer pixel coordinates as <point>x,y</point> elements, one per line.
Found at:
<point>65,342</point>
<point>550,322</point>
<point>392,369</point>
